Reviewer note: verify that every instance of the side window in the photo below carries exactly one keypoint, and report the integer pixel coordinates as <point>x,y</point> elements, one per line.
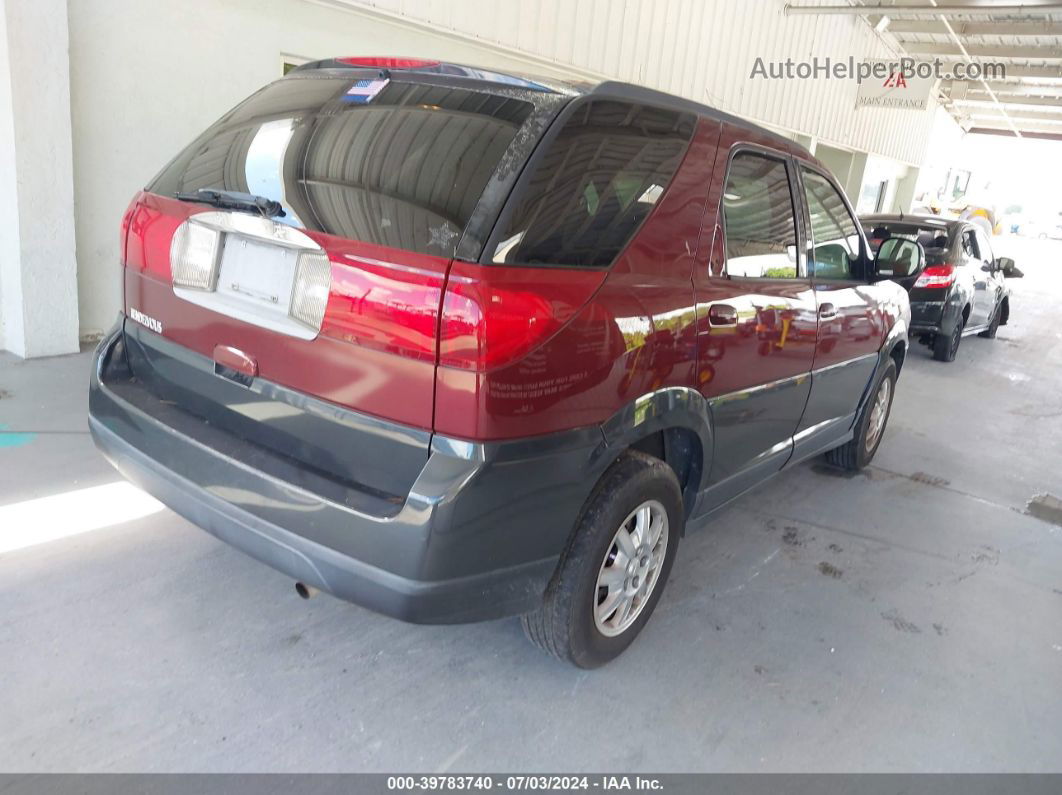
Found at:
<point>758,219</point>
<point>969,245</point>
<point>983,246</point>
<point>834,236</point>
<point>594,185</point>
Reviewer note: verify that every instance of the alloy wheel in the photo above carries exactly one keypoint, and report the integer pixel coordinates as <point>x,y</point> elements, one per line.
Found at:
<point>878,412</point>
<point>631,568</point>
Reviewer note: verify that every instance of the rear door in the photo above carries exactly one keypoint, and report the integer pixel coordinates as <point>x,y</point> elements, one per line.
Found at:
<point>755,318</point>
<point>850,328</point>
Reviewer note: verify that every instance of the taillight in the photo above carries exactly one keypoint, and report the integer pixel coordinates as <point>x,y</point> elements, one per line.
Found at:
<point>937,276</point>
<point>484,327</point>
<point>493,316</point>
<point>390,63</point>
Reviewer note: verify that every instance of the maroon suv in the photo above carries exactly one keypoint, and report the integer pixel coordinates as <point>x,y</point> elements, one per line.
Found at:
<point>455,345</point>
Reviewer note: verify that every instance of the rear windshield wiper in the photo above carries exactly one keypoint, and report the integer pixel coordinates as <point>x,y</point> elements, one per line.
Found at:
<point>234,200</point>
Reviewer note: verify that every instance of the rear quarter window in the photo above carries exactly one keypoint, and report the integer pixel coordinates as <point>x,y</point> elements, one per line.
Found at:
<point>400,164</point>
<point>594,184</point>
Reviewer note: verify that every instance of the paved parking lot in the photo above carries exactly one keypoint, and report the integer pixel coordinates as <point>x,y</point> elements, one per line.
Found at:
<point>907,618</point>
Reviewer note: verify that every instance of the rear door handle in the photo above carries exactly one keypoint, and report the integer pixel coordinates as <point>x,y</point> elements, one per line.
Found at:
<point>827,311</point>
<point>722,316</point>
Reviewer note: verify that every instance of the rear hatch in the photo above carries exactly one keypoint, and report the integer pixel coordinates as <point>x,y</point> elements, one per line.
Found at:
<point>304,241</point>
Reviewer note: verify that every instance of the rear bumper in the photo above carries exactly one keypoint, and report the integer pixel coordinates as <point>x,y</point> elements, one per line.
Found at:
<point>477,537</point>
<point>927,316</point>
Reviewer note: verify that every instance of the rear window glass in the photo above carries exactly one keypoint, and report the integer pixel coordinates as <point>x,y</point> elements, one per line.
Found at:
<point>593,186</point>
<point>386,162</point>
<point>934,239</point>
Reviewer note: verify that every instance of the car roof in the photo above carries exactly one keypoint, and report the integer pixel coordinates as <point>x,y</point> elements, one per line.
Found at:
<point>610,88</point>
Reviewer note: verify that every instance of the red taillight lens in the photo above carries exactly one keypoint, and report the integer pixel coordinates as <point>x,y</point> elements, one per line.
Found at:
<point>391,305</point>
<point>390,63</point>
<point>937,276</point>
<point>492,316</point>
<point>484,327</point>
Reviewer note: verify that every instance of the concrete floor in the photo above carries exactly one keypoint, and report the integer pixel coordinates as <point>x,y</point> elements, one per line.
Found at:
<point>906,619</point>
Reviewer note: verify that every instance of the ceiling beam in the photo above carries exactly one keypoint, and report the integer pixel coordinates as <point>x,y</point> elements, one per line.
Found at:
<point>984,83</point>
<point>1027,52</point>
<point>1011,90</point>
<point>982,99</point>
<point>926,9</point>
<point>1006,131</point>
<point>1014,72</point>
<point>1026,117</point>
<point>935,26</point>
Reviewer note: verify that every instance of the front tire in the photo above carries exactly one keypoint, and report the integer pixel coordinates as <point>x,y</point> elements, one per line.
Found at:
<point>612,575</point>
<point>857,453</point>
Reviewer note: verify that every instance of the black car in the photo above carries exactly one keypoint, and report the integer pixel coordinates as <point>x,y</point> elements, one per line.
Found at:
<point>959,289</point>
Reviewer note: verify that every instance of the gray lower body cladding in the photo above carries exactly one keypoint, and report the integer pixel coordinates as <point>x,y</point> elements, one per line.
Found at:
<point>475,534</point>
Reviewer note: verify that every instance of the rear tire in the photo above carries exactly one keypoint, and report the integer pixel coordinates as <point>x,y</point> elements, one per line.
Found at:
<point>870,428</point>
<point>622,549</point>
<point>946,346</point>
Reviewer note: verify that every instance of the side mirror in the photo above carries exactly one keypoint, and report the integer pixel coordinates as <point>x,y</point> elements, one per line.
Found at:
<point>898,257</point>
<point>1010,270</point>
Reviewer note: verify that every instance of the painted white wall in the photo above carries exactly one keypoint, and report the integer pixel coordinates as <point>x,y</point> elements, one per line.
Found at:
<point>945,150</point>
<point>38,295</point>
<point>148,77</point>
<point>10,275</point>
<point>878,170</point>
<point>838,161</point>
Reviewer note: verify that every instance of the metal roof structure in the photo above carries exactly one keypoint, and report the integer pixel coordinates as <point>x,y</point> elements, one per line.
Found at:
<point>1025,37</point>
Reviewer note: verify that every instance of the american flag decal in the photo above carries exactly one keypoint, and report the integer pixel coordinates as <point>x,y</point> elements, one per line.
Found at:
<point>363,91</point>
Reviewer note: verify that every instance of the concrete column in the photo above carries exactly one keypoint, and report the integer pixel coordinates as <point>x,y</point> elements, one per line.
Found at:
<point>905,191</point>
<point>857,171</point>
<point>38,269</point>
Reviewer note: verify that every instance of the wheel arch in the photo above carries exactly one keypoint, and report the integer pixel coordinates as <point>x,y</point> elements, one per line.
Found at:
<point>895,345</point>
<point>672,424</point>
<point>894,348</point>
